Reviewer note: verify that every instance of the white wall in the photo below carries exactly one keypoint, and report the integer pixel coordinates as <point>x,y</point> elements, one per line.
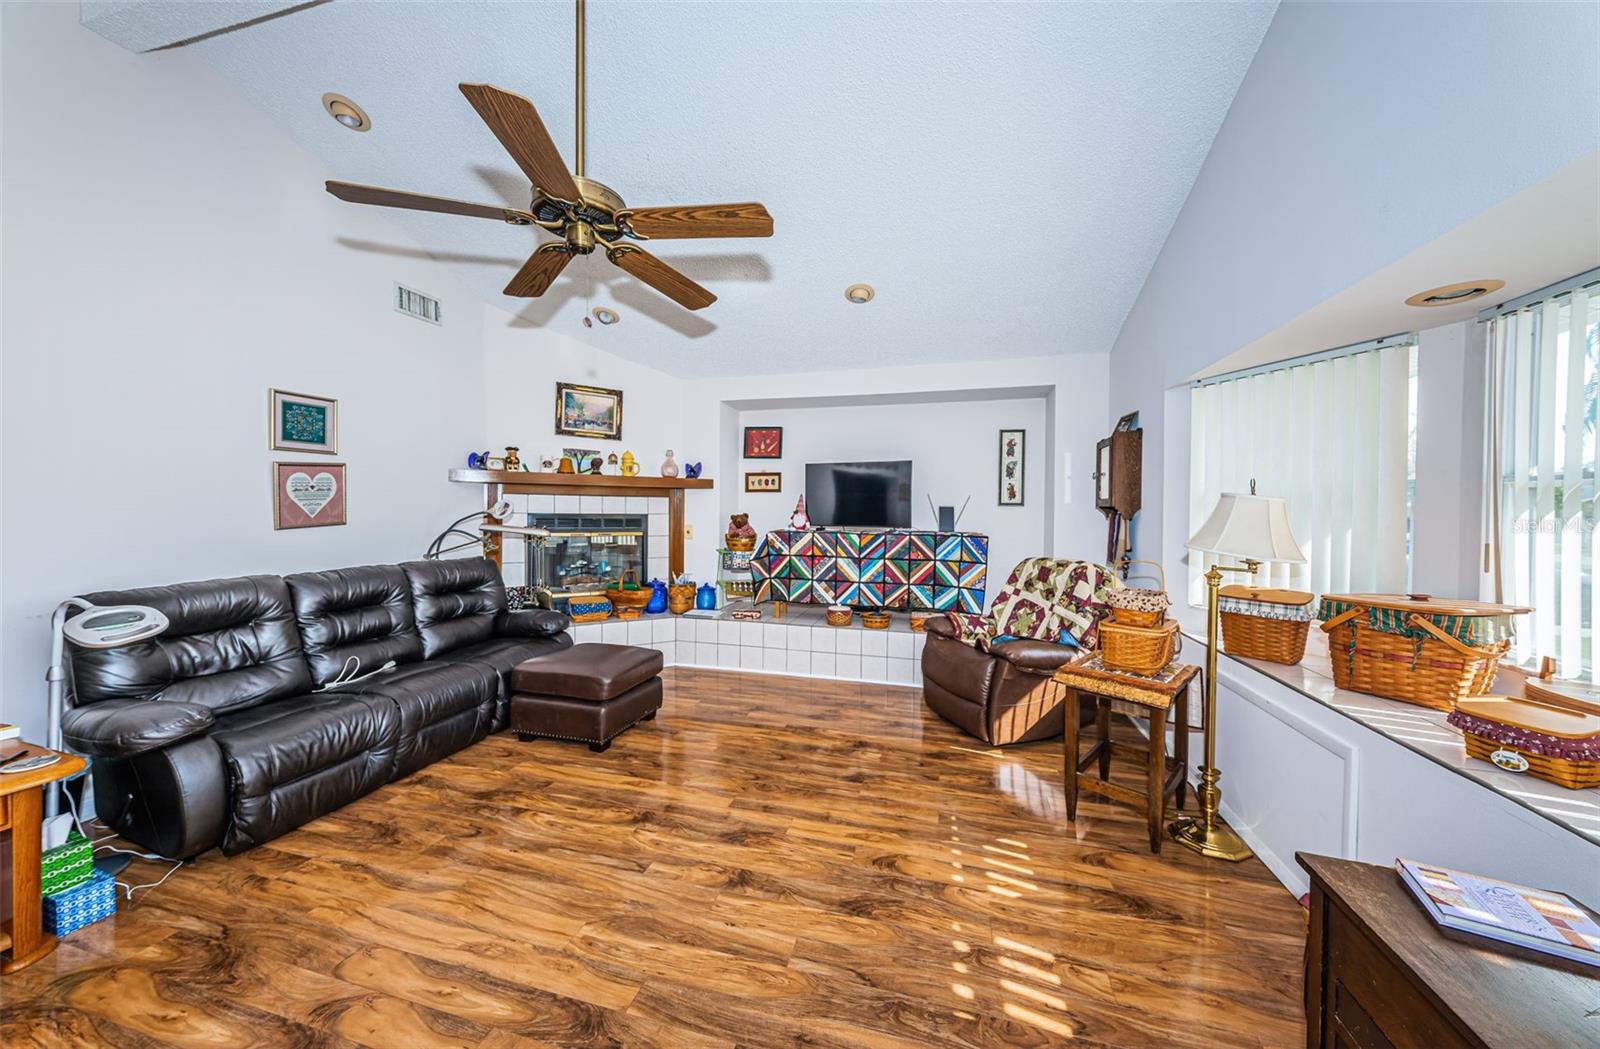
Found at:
<point>1073,388</point>
<point>953,448</point>
<point>168,256</point>
<point>521,368</point>
<point>1361,132</point>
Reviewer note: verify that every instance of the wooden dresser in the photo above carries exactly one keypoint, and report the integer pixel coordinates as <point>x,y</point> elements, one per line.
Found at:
<point>1380,974</point>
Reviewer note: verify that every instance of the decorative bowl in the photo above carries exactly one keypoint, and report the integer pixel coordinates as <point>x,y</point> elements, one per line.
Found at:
<point>875,620</point>
<point>839,615</point>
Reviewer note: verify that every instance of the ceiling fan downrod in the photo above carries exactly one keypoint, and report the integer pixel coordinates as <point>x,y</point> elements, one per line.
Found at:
<point>578,169</point>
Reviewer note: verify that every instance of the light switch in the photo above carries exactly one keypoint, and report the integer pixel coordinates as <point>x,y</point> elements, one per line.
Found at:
<point>688,531</point>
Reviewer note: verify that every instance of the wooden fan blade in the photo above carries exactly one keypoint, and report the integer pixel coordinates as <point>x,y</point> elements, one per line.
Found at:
<point>516,124</point>
<point>749,219</point>
<point>660,276</point>
<point>395,198</point>
<point>540,271</point>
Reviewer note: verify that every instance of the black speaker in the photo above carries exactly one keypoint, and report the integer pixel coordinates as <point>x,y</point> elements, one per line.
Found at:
<point>947,519</point>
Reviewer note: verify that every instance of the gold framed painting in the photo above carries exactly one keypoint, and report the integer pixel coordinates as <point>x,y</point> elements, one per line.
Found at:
<point>302,422</point>
<point>588,411</point>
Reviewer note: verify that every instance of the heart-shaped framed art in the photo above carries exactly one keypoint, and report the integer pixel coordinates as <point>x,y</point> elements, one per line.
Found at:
<point>308,495</point>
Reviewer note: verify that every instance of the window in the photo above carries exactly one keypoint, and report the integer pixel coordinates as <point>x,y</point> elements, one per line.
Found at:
<point>1540,456</point>
<point>1334,436</point>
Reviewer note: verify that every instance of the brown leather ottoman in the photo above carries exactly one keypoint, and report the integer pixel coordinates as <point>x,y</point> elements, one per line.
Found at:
<point>588,693</point>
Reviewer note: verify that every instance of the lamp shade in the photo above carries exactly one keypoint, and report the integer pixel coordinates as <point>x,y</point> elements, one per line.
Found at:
<point>1253,527</point>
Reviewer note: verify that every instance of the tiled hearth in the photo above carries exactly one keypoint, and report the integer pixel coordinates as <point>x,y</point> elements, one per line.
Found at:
<point>800,644</point>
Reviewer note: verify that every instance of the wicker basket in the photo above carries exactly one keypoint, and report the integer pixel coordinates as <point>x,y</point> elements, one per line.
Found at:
<point>1552,742</point>
<point>1137,649</point>
<point>875,620</point>
<point>1266,624</point>
<point>1563,772</point>
<point>1137,606</point>
<point>839,615</point>
<point>680,598</point>
<point>1395,646</point>
<point>589,610</point>
<point>636,598</point>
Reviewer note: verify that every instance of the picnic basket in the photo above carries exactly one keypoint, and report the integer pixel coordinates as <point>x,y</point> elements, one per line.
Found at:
<point>1415,648</point>
<point>1553,742</point>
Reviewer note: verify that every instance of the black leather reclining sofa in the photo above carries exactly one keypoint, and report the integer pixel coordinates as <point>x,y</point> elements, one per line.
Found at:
<point>216,733</point>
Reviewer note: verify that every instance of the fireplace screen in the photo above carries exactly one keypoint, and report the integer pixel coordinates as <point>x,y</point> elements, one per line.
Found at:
<point>586,551</point>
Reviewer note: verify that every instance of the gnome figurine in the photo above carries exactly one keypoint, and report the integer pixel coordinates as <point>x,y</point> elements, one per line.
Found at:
<point>800,521</point>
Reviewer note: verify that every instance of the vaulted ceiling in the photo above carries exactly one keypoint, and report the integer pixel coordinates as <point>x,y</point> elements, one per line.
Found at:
<point>1003,173</point>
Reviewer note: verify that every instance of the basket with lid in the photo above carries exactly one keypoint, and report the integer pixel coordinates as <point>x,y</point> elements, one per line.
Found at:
<point>1140,606</point>
<point>1263,623</point>
<point>1551,741</point>
<point>1415,648</point>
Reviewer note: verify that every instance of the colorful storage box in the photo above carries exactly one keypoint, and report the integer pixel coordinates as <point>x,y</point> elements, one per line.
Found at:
<point>1416,648</point>
<point>67,865</point>
<point>82,905</point>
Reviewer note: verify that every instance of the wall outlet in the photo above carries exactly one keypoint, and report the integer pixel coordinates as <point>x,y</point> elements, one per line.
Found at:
<point>688,531</point>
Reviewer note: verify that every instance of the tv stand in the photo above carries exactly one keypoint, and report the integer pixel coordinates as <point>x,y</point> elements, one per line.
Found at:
<point>895,568</point>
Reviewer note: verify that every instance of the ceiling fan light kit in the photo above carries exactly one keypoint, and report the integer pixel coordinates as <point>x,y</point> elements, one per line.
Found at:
<point>584,213</point>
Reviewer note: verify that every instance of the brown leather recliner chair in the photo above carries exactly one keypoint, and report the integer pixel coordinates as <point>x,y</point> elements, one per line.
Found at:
<point>1004,695</point>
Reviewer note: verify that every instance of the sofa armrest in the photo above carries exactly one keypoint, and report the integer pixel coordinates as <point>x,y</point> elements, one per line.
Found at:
<point>531,622</point>
<point>122,728</point>
<point>1036,657</point>
<point>939,626</point>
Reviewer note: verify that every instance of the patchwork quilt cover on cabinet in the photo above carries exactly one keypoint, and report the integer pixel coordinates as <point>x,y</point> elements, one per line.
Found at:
<point>917,571</point>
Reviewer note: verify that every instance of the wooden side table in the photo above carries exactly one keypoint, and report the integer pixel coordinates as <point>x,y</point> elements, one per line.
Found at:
<point>22,815</point>
<point>1150,697</point>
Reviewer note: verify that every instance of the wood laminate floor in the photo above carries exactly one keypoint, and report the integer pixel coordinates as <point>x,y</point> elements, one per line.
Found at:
<point>772,862</point>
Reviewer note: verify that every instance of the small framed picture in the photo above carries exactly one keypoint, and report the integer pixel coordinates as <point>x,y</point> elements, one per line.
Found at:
<point>763,442</point>
<point>299,422</point>
<point>1013,463</point>
<point>763,481</point>
<point>588,411</point>
<point>307,495</point>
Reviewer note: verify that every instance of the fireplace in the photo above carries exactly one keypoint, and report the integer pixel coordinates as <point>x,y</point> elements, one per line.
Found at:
<point>584,552</point>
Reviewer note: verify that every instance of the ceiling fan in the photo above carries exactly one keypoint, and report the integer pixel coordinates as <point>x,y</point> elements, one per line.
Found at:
<point>586,214</point>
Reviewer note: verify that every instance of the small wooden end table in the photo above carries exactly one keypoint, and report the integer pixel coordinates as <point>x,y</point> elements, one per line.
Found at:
<point>1136,696</point>
<point>22,815</point>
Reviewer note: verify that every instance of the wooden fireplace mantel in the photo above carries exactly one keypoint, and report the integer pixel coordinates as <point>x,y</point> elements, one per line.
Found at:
<point>497,483</point>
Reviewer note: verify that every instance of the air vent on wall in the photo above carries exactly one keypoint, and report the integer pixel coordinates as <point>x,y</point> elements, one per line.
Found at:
<point>416,304</point>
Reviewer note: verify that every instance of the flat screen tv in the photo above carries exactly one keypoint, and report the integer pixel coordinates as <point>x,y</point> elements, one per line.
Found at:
<point>859,495</point>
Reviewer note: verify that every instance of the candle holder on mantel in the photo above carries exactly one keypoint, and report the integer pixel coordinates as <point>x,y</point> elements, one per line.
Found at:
<point>1255,529</point>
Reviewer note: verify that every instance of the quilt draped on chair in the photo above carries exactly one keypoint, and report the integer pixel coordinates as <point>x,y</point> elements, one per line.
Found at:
<point>1045,599</point>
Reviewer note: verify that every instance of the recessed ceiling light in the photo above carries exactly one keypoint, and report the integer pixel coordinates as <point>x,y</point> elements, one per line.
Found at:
<point>605,316</point>
<point>346,112</point>
<point>859,293</point>
<point>1450,294</point>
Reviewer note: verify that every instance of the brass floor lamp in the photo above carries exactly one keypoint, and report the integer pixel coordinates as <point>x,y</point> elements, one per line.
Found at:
<point>1255,529</point>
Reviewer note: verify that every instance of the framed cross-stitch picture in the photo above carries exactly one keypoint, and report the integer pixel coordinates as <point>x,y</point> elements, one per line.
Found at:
<point>1012,464</point>
<point>307,495</point>
<point>763,481</point>
<point>588,411</point>
<point>763,442</point>
<point>300,422</point>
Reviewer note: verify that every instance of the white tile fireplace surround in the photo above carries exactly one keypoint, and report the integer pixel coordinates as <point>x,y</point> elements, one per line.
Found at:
<point>800,644</point>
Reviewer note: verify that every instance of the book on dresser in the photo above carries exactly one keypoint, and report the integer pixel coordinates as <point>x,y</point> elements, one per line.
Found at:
<point>1537,919</point>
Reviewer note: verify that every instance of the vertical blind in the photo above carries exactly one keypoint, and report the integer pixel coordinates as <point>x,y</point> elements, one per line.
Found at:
<point>1540,462</point>
<point>1335,438</point>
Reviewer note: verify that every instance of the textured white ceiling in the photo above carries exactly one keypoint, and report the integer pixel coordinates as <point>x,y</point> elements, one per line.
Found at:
<point>1004,173</point>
